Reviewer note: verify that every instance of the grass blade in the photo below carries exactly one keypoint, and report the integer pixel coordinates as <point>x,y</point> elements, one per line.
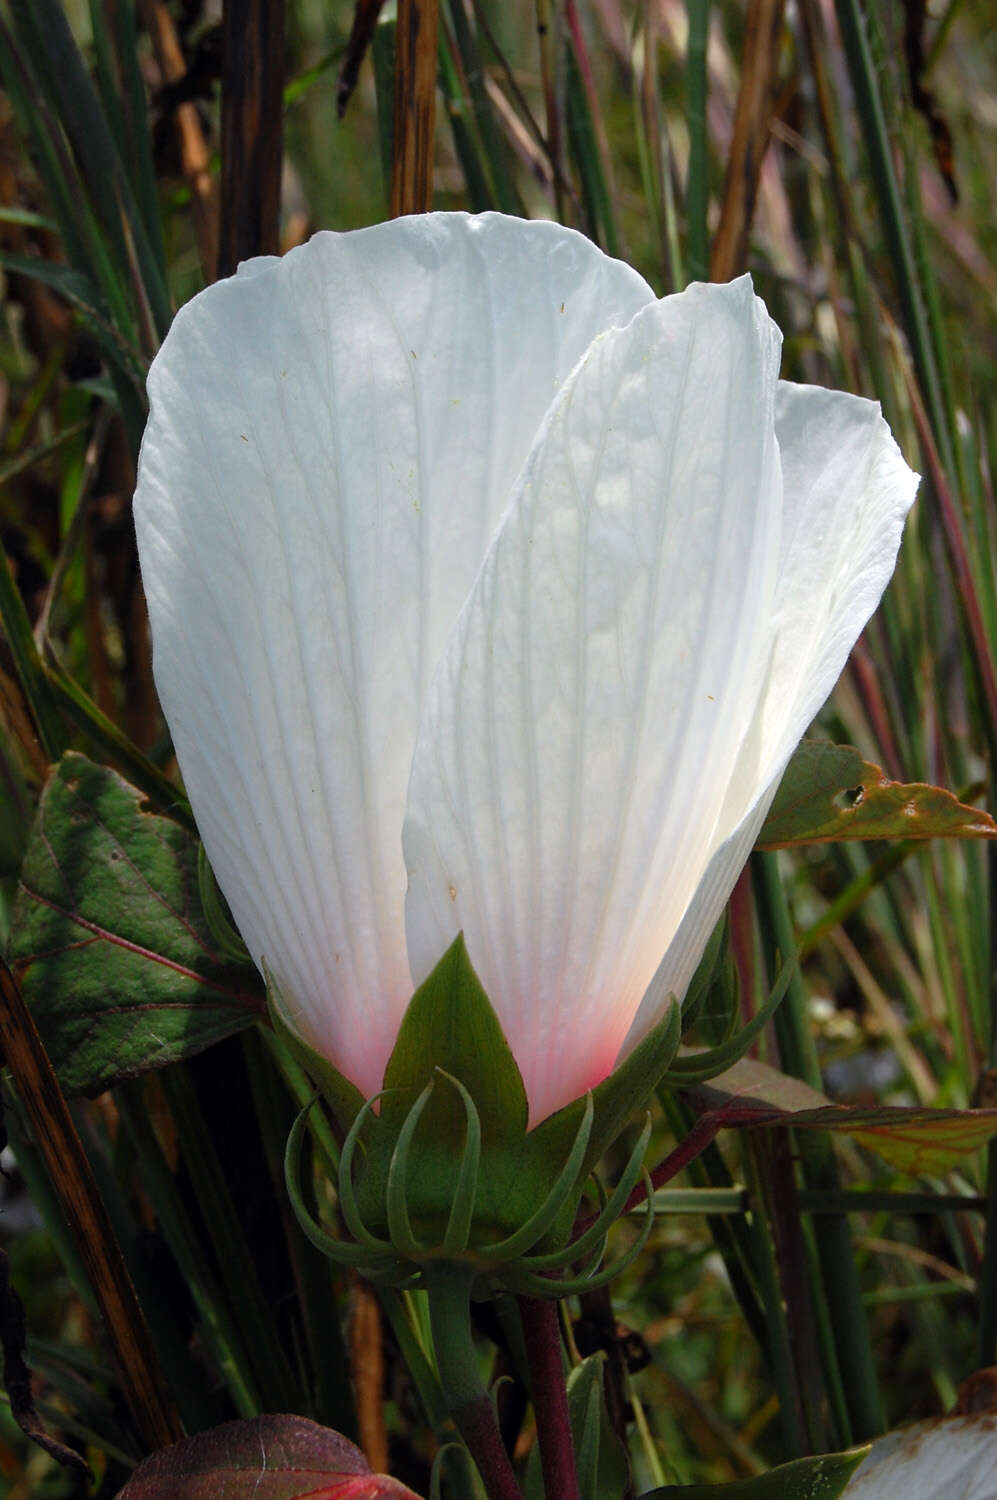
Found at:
<point>853,26</point>
<point>30,671</point>
<point>56,59</point>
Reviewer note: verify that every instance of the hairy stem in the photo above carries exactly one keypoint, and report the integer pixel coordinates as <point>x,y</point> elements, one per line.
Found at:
<point>448,1287</point>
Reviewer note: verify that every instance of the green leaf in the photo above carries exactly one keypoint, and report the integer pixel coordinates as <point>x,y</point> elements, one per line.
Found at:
<point>822,1478</point>
<point>267,1458</point>
<point>109,941</point>
<point>27,457</point>
<point>483,150</point>
<point>607,1471</point>
<point>829,792</point>
<point>105,735</point>
<point>920,1142</point>
<point>27,219</point>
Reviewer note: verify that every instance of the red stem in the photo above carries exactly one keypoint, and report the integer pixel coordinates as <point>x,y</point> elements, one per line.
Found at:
<point>542,1335</point>
<point>477,1426</point>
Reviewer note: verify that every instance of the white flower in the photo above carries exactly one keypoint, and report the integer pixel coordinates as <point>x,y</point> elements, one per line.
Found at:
<point>954,1458</point>
<point>474,569</point>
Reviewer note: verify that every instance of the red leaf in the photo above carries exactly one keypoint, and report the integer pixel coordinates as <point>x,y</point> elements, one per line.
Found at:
<point>267,1458</point>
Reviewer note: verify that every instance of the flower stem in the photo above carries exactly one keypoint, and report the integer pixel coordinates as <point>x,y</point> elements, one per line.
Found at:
<point>448,1287</point>
<point>542,1335</point>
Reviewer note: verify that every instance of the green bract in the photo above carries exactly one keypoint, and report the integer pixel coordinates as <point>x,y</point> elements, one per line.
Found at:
<point>441,1166</point>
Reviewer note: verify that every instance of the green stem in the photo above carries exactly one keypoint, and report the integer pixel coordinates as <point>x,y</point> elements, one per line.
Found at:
<point>542,1336</point>
<point>448,1286</point>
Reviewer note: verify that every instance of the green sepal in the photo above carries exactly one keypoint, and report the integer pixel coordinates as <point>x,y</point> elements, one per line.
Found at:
<point>699,1066</point>
<point>341,1252</point>
<point>450,1024</point>
<point>821,1478</point>
<point>450,1038</point>
<point>712,1006</point>
<point>450,1027</point>
<point>716,955</point>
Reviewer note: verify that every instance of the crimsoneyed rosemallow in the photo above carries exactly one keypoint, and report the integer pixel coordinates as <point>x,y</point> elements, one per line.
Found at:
<point>490,594</point>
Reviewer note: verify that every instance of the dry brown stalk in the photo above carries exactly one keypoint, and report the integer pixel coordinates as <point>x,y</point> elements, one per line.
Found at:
<point>72,1179</point>
<point>415,108</point>
<point>763,25</point>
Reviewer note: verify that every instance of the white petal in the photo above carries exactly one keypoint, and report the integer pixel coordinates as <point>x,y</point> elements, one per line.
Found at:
<point>846,493</point>
<point>583,729</point>
<point>701,915</point>
<point>951,1459</point>
<point>332,439</point>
